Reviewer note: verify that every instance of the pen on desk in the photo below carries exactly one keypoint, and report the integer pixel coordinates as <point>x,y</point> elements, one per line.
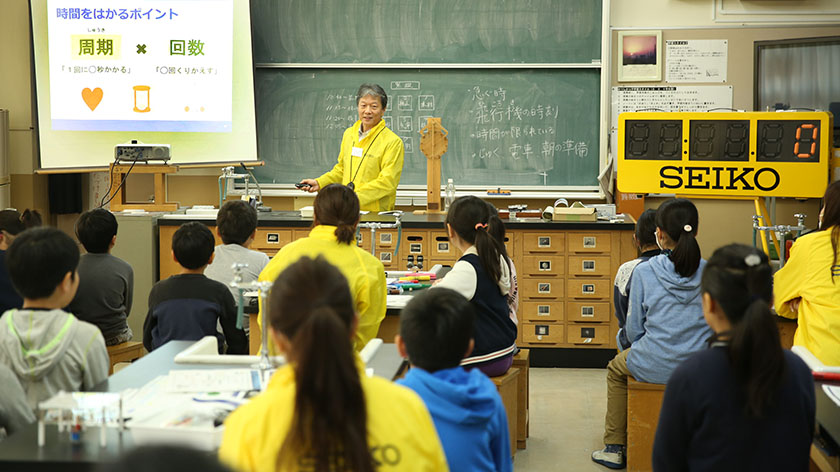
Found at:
<point>829,376</point>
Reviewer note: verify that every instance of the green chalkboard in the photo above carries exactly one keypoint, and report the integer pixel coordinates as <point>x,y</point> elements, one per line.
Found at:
<point>426,31</point>
<point>507,127</point>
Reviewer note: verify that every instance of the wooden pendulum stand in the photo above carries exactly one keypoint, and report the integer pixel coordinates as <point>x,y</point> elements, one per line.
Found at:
<point>433,144</point>
<point>120,171</point>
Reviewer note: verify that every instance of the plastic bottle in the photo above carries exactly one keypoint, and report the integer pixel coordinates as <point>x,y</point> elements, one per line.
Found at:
<point>450,194</point>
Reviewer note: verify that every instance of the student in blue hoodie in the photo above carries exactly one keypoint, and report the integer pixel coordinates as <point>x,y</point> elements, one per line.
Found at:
<point>665,323</point>
<point>435,334</point>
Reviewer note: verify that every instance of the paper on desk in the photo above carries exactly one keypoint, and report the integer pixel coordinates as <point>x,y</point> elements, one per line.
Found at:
<point>213,380</point>
<point>397,301</point>
<point>833,392</point>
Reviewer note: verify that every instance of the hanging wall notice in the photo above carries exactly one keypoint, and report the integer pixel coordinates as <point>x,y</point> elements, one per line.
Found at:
<point>670,98</point>
<point>695,60</point>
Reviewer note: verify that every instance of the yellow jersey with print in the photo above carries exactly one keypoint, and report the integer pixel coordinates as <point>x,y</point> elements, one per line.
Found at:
<point>401,435</point>
<point>364,273</point>
<point>811,275</point>
<point>375,170</point>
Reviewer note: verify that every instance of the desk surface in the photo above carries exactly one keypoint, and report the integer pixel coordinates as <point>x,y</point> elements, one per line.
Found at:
<point>828,413</point>
<point>21,452</point>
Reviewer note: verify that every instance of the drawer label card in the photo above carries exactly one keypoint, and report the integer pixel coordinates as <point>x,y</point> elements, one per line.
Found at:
<point>587,311</point>
<point>443,247</point>
<point>385,257</point>
<point>541,330</point>
<point>272,238</point>
<point>385,238</point>
<point>588,289</point>
<point>545,266</point>
<point>589,242</point>
<point>544,288</point>
<point>589,266</point>
<point>543,310</point>
<point>544,241</point>
<point>587,333</point>
<point>415,248</point>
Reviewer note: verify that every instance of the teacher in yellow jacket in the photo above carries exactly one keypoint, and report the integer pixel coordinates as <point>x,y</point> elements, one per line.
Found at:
<point>371,156</point>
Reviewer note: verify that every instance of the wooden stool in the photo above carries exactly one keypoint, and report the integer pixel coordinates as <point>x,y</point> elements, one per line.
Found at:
<point>507,385</point>
<point>522,361</point>
<point>125,352</point>
<point>644,400</point>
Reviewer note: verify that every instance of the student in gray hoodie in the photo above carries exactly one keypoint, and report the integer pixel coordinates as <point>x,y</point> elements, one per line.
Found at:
<point>47,348</point>
<point>665,323</point>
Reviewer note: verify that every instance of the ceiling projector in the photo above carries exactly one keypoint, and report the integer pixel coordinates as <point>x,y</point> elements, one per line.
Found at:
<point>137,151</point>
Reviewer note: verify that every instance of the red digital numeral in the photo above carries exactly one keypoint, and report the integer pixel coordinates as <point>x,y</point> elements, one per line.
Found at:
<point>812,140</point>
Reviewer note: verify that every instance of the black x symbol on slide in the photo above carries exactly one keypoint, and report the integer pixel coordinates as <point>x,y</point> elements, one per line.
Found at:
<point>141,49</point>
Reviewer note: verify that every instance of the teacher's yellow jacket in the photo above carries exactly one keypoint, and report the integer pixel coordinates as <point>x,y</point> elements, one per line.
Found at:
<point>376,173</point>
<point>401,435</point>
<point>809,274</point>
<point>364,273</point>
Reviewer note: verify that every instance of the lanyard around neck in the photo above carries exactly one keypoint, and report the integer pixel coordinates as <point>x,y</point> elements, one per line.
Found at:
<point>353,178</point>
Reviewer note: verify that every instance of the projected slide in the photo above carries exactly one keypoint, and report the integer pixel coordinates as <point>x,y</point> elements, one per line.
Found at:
<point>143,65</point>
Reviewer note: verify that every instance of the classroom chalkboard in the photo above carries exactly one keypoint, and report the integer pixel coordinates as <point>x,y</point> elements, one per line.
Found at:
<point>426,31</point>
<point>509,127</point>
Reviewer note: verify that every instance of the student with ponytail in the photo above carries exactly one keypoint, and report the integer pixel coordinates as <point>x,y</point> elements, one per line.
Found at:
<point>745,403</point>
<point>808,286</point>
<point>482,276</point>
<point>333,236</point>
<point>664,320</point>
<point>320,412</point>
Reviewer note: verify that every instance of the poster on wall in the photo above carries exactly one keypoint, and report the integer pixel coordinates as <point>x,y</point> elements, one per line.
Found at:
<point>640,56</point>
<point>695,60</point>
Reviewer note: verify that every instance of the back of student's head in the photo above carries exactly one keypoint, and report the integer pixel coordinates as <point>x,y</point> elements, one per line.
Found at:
<point>39,259</point>
<point>831,216</point>
<point>164,458</point>
<point>310,305</point>
<point>646,229</point>
<point>236,222</point>
<point>337,205</point>
<point>471,219</point>
<point>678,219</point>
<point>740,280</point>
<point>193,244</point>
<point>437,326</point>
<point>13,222</point>
<point>96,229</point>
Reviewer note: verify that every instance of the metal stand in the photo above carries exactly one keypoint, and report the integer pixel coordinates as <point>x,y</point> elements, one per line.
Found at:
<point>374,225</point>
<point>265,364</point>
<point>776,231</point>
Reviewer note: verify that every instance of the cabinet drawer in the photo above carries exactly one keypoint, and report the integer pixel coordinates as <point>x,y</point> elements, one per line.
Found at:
<point>542,266</point>
<point>441,248</point>
<point>596,334</point>
<point>541,312</point>
<point>414,242</point>
<point>540,242</point>
<point>589,242</point>
<point>600,289</point>
<point>387,258</point>
<point>549,333</point>
<point>385,238</point>
<point>588,312</point>
<point>589,265</point>
<point>541,288</point>
<point>271,239</point>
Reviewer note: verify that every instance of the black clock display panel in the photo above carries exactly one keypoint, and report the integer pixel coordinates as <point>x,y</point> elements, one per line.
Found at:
<point>788,141</point>
<point>655,140</point>
<point>719,140</point>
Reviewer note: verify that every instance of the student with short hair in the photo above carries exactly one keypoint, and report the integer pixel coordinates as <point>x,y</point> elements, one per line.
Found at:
<point>644,238</point>
<point>236,225</point>
<point>745,403</point>
<point>49,349</point>
<point>333,236</point>
<point>664,321</point>
<point>188,305</point>
<point>321,411</point>
<point>12,222</point>
<point>482,276</point>
<point>435,334</point>
<point>106,282</point>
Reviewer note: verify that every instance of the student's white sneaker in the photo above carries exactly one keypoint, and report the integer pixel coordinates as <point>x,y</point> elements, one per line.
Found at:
<point>612,456</point>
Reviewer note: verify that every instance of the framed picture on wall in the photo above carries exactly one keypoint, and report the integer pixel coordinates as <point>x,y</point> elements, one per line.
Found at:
<point>639,56</point>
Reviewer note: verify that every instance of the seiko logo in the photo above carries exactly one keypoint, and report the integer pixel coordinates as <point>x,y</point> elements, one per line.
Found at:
<point>765,179</point>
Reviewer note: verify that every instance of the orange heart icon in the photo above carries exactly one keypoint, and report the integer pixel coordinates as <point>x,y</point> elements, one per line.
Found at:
<point>92,97</point>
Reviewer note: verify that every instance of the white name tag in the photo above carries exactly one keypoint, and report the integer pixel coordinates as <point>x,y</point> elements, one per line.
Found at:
<point>356,152</point>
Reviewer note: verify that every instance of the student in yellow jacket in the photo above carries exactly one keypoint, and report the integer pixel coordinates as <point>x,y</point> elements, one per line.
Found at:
<point>371,155</point>
<point>808,286</point>
<point>333,236</point>
<point>321,409</point>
